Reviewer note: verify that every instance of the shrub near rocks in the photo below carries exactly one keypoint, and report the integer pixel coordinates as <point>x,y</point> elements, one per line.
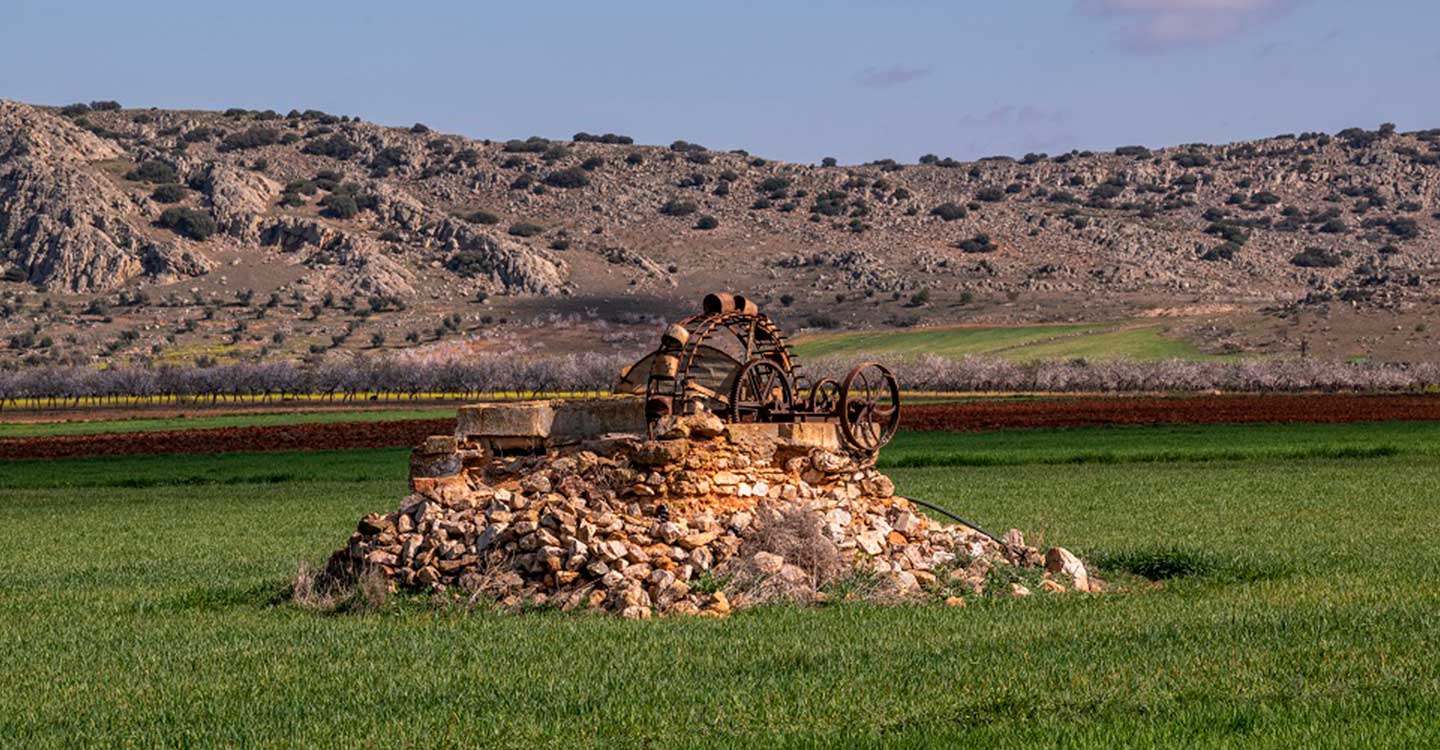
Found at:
<point>188,222</point>
<point>154,171</point>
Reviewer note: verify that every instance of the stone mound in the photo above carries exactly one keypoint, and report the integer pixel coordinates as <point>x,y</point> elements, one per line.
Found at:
<point>537,504</point>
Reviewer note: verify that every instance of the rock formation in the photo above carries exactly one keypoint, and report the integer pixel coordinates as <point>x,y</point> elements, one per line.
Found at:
<point>544,505</point>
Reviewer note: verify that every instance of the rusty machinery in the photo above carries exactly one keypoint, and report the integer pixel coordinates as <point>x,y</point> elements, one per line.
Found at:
<point>731,360</point>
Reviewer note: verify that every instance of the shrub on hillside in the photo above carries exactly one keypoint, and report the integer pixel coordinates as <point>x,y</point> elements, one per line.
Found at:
<point>949,211</point>
<point>574,177</point>
<point>532,145</point>
<point>1316,257</point>
<point>335,146</point>
<point>609,138</point>
<point>525,229</point>
<point>249,138</point>
<point>482,217</point>
<point>188,222</point>
<point>168,193</point>
<point>707,222</point>
<point>675,207</point>
<point>153,170</point>
<point>980,243</point>
<point>340,205</point>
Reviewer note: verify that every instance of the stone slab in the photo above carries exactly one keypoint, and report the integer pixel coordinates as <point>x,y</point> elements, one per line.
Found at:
<point>577,420</point>
<point>554,422</point>
<point>812,435</point>
<point>531,419</point>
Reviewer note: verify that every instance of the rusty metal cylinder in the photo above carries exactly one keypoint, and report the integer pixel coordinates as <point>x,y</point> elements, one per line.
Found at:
<point>718,302</point>
<point>675,336</point>
<point>657,408</point>
<point>746,305</point>
<point>665,366</point>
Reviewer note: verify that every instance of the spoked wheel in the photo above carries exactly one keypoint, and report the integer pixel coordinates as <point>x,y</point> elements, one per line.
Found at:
<point>761,388</point>
<point>869,407</point>
<point>825,397</point>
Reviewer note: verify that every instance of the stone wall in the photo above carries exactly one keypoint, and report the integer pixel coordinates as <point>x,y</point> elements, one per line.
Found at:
<point>548,503</point>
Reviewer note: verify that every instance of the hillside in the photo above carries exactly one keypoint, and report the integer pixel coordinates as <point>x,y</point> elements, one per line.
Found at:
<point>177,235</point>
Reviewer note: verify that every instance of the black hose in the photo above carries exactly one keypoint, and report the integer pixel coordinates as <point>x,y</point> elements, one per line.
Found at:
<point>939,509</point>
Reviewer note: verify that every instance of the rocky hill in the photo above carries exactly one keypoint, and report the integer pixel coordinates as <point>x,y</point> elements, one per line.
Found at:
<point>177,234</point>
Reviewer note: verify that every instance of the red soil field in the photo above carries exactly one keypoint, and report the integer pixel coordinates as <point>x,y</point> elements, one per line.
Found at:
<point>1093,411</point>
<point>1089,411</point>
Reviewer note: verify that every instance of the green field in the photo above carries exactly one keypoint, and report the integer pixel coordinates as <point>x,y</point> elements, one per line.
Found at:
<point>1019,343</point>
<point>1293,605</point>
<point>204,421</point>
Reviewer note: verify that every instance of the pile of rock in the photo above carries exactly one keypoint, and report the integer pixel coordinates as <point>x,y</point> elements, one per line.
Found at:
<point>706,518</point>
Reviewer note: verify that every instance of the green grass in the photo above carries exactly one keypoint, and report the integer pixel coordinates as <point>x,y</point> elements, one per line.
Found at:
<point>1162,444</point>
<point>1294,607</point>
<point>1019,343</point>
<point>92,427</point>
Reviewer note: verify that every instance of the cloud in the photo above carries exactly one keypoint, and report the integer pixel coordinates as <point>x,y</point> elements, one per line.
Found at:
<point>1157,26</point>
<point>895,75</point>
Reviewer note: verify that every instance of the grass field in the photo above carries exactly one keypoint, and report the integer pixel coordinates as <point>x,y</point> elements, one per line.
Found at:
<point>1019,343</point>
<point>208,421</point>
<point>1294,606</point>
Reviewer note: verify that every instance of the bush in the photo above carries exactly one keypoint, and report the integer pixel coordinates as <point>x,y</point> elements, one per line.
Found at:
<point>686,147</point>
<point>336,147</point>
<point>188,222</point>
<point>830,203</point>
<point>532,145</point>
<point>525,229</point>
<point>772,184</point>
<point>949,211</point>
<point>592,164</point>
<point>634,158</point>
<point>249,138</point>
<point>340,205</point>
<point>990,195</point>
<point>707,222</point>
<point>1334,226</point>
<point>828,161</point>
<point>1225,251</point>
<point>482,217</point>
<point>678,208</point>
<point>1139,152</point>
<point>1316,257</point>
<point>168,193</point>
<point>75,110</point>
<point>105,106</point>
<point>980,243</point>
<point>573,177</point>
<point>610,138</point>
<point>153,171</point>
<point>1405,229</point>
<point>1106,192</point>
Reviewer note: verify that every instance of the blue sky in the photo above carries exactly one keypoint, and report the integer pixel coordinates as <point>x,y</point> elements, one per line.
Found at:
<point>788,80</point>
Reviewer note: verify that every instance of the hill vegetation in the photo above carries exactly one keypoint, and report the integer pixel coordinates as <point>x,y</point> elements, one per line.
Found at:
<point>162,234</point>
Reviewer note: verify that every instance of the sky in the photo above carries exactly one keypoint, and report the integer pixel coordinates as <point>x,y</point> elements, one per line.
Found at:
<point>857,80</point>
